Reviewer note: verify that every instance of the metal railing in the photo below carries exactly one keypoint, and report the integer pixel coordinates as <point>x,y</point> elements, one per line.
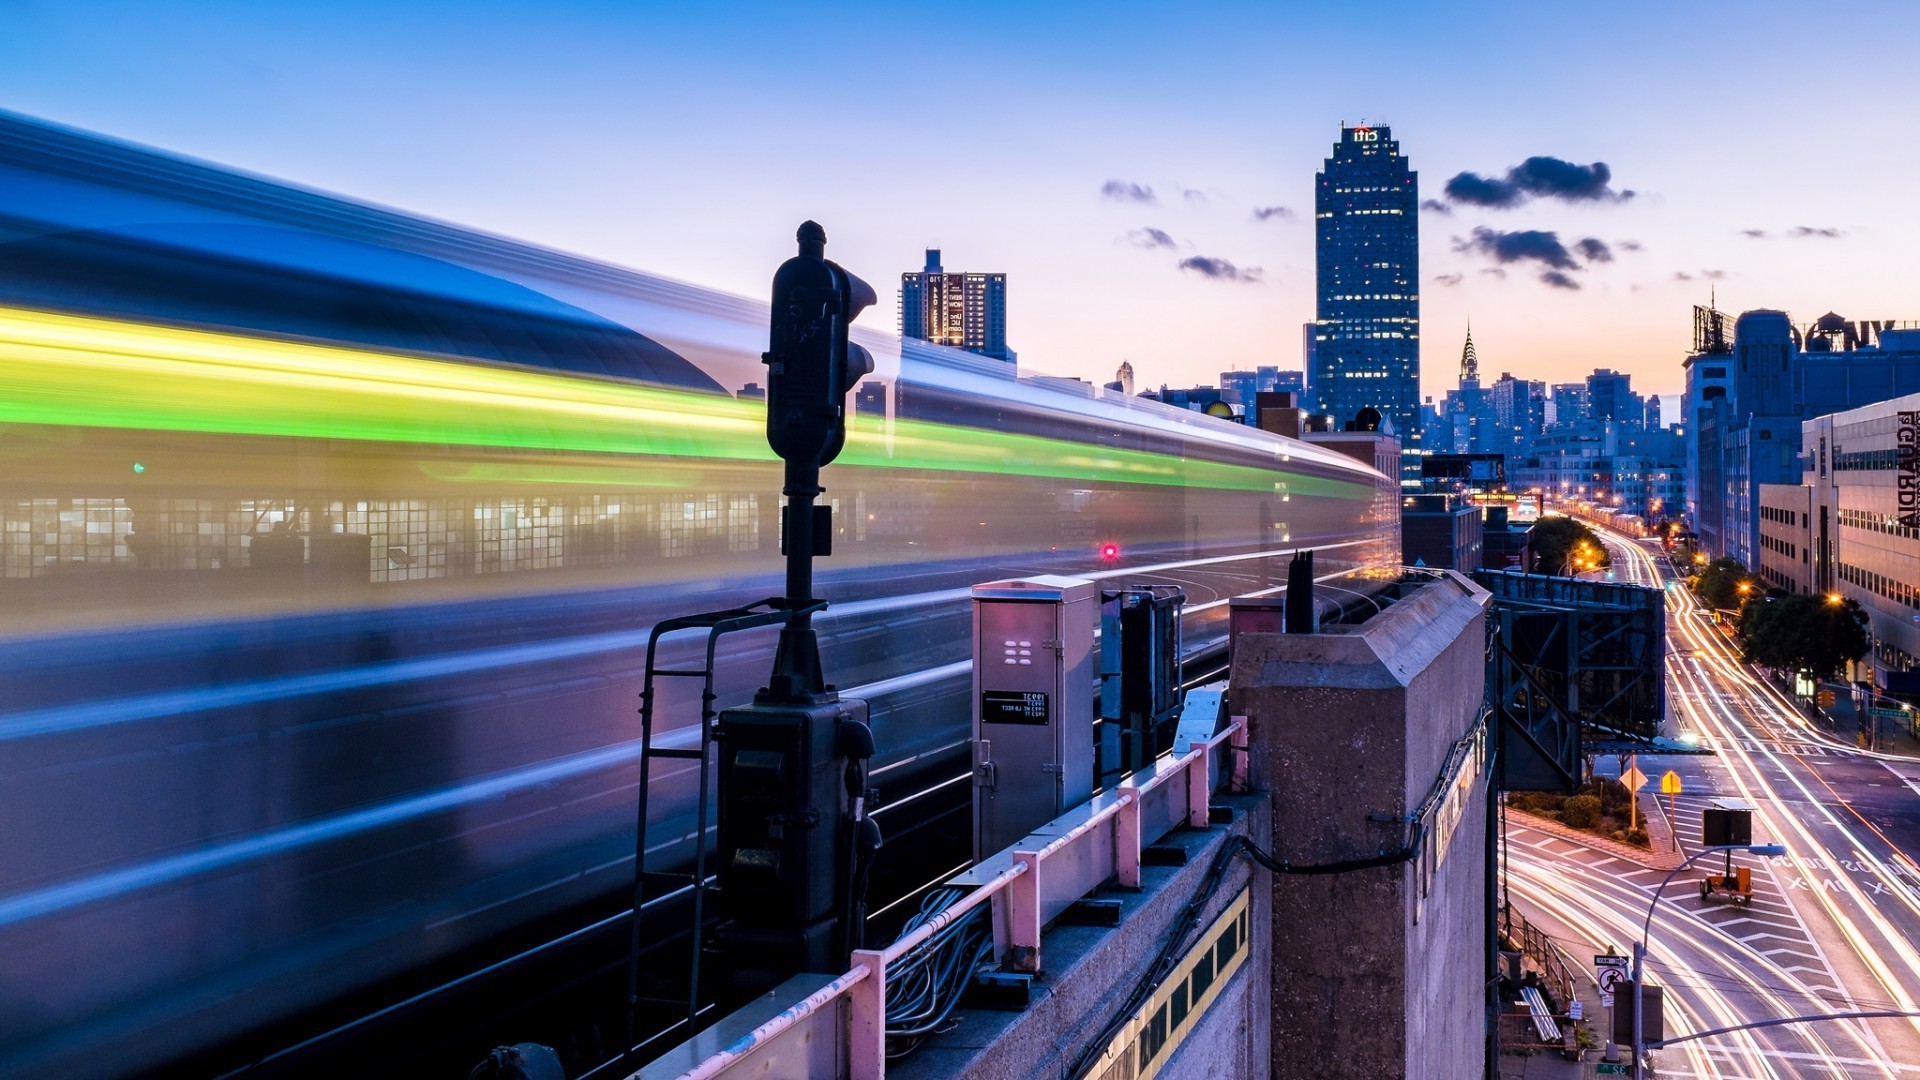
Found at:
<point>1102,839</point>
<point>1535,945</point>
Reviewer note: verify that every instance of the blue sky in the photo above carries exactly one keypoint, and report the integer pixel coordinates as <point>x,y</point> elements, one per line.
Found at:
<point>688,140</point>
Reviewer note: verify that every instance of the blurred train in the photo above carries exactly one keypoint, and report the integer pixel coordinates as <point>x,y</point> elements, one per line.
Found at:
<point>329,538</point>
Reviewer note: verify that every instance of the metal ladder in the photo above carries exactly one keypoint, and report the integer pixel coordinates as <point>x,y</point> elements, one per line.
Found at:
<point>717,624</point>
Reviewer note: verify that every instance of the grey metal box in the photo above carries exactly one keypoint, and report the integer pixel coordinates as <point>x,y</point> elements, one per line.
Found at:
<point>1032,704</point>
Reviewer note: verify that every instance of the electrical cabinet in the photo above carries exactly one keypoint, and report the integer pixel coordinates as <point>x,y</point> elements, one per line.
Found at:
<point>1033,674</point>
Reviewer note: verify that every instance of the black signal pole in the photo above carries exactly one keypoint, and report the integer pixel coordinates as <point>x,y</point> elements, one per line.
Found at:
<point>811,367</point>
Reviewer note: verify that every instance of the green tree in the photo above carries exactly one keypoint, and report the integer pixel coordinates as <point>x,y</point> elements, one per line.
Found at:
<point>1718,585</point>
<point>1563,545</point>
<point>1813,634</point>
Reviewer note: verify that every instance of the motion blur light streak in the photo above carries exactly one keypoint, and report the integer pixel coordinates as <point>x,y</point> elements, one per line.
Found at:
<point>70,371</point>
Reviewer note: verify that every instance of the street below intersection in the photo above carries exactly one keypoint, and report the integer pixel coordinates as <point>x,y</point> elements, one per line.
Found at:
<point>1831,927</point>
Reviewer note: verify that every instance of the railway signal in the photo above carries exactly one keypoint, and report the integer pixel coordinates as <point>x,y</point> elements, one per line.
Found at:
<point>795,840</point>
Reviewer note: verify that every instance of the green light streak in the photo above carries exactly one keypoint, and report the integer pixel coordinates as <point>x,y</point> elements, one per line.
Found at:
<point>67,371</point>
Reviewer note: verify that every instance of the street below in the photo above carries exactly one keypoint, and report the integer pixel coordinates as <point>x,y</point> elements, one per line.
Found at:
<point>1830,927</point>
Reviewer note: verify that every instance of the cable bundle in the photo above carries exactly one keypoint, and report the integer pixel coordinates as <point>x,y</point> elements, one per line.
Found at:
<point>925,985</point>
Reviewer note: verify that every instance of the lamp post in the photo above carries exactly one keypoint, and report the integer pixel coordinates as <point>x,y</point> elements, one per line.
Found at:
<point>1646,931</point>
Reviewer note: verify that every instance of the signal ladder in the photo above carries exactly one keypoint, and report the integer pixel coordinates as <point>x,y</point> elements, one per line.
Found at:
<point>647,886</point>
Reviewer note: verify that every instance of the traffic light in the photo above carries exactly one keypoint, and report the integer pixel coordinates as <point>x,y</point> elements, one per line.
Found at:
<point>811,364</point>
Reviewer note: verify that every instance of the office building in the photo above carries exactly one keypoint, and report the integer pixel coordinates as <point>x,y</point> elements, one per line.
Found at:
<point>1851,524</point>
<point>1780,375</point>
<point>1518,409</point>
<point>1366,341</point>
<point>964,311</point>
<point>1566,404</point>
<point>1610,396</point>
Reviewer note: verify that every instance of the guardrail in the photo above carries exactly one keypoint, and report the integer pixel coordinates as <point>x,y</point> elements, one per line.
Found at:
<point>1026,888</point>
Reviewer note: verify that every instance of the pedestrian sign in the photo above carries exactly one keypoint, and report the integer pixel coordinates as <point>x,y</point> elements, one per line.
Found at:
<point>1825,699</point>
<point>1609,972</point>
<point>1633,778</point>
<point>1670,783</point>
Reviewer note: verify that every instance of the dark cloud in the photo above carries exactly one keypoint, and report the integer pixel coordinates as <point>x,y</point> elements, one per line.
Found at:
<point>1262,213</point>
<point>1593,249</point>
<point>1629,245</point>
<point>1220,269</point>
<point>1436,206</point>
<point>1449,280</point>
<point>1122,191</point>
<point>1151,238</point>
<point>1476,190</point>
<point>1193,195</point>
<point>1519,245</point>
<point>1803,231</point>
<point>1559,280</point>
<point>1754,234</point>
<point>1538,177</point>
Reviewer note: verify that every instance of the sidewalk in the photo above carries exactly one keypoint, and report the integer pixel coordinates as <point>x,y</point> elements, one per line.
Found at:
<point>1553,1065</point>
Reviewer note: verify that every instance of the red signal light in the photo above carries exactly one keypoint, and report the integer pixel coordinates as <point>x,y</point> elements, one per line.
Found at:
<point>1110,552</point>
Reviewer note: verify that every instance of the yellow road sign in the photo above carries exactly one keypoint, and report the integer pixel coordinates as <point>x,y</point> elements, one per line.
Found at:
<point>1670,783</point>
<point>1633,778</point>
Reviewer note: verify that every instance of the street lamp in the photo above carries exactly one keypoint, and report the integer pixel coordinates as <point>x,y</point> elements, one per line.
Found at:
<point>1646,931</point>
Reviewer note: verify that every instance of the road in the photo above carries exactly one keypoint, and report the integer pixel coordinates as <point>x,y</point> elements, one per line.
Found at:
<point>1831,927</point>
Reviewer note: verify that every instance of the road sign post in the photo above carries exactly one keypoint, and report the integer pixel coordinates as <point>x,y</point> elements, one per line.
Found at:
<point>1670,787</point>
<point>1608,973</point>
<point>1634,780</point>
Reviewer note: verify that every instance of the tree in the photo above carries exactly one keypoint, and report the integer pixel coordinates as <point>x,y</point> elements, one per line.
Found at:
<point>1815,634</point>
<point>1718,585</point>
<point>1563,545</point>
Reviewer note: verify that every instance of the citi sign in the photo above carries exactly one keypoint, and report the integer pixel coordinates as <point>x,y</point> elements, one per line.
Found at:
<point>1365,135</point>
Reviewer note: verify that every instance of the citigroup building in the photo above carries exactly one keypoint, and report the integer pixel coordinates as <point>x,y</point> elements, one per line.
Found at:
<point>1367,321</point>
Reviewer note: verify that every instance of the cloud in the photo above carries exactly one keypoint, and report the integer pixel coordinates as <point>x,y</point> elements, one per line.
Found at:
<point>1803,231</point>
<point>1713,275</point>
<point>1449,280</point>
<point>1436,206</point>
<point>1682,275</point>
<point>1122,191</point>
<point>1559,280</point>
<point>1519,245</point>
<point>1593,250</point>
<point>1193,195</point>
<point>1151,238</point>
<point>1476,190</point>
<point>1220,269</point>
<point>1262,213</point>
<point>1754,234</point>
<point>1629,245</point>
<point>1494,271</point>
<point>1538,177</point>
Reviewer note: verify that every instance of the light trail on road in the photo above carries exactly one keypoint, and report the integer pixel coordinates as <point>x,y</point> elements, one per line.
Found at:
<point>1714,978</point>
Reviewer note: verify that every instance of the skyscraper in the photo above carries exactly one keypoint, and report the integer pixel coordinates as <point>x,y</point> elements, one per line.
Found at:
<point>966,311</point>
<point>1367,321</point>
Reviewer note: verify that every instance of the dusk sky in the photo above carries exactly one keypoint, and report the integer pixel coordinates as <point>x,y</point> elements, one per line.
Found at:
<point>1769,149</point>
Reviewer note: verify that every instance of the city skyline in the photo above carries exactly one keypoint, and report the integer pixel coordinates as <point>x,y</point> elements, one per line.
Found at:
<point>1576,228</point>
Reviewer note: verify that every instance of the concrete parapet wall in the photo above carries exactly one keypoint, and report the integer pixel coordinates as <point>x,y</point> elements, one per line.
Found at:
<point>1090,972</point>
<point>1379,971</point>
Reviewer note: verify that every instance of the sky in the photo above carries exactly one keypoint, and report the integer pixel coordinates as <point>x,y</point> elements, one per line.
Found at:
<point>1768,149</point>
